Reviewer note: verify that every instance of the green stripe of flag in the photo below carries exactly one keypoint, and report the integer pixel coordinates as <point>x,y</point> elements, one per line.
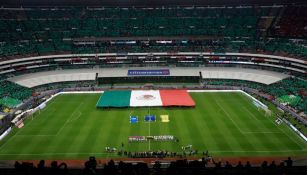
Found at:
<point>115,99</point>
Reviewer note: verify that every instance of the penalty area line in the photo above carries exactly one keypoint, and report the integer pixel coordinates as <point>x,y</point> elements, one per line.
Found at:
<point>76,118</point>
<point>240,130</point>
<point>38,135</point>
<point>69,119</point>
<point>15,134</point>
<point>228,116</point>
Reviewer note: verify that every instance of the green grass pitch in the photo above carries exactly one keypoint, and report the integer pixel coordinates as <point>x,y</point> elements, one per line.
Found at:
<point>226,124</point>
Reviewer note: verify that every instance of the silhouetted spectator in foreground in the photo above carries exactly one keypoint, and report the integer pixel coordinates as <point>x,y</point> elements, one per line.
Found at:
<point>228,165</point>
<point>239,166</point>
<point>90,166</point>
<point>58,169</point>
<point>282,164</point>
<point>24,167</point>
<point>264,164</point>
<point>289,162</point>
<point>110,168</point>
<point>273,165</point>
<point>248,165</point>
<point>157,166</point>
<point>218,164</point>
<point>41,167</point>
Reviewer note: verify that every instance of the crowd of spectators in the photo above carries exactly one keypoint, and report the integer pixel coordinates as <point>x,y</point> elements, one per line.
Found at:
<point>181,166</point>
<point>289,86</point>
<point>35,31</point>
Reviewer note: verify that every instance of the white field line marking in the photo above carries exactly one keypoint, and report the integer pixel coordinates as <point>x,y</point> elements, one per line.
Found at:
<point>149,130</point>
<point>48,104</point>
<point>251,114</point>
<point>229,117</point>
<point>242,132</point>
<point>76,118</point>
<point>282,131</point>
<point>262,132</point>
<point>2,146</point>
<point>149,139</point>
<point>291,138</point>
<point>99,99</point>
<point>67,121</point>
<point>39,114</point>
<point>33,135</point>
<point>260,121</point>
<point>247,99</point>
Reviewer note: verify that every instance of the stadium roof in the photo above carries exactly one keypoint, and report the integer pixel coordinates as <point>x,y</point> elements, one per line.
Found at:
<point>16,3</point>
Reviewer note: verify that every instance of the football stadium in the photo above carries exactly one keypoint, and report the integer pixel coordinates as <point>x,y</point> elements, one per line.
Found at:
<point>153,87</point>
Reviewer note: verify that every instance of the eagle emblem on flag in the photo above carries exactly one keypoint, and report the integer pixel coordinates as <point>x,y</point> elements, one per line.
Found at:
<point>146,97</point>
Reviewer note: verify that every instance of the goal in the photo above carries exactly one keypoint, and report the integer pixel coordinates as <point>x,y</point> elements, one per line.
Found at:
<point>268,113</point>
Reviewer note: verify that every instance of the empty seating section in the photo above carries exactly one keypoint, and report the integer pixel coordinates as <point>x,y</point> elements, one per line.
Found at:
<point>37,79</point>
<point>263,77</point>
<point>44,31</point>
<point>292,23</point>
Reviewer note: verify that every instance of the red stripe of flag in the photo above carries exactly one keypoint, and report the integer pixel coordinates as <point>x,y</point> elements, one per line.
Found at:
<point>176,98</point>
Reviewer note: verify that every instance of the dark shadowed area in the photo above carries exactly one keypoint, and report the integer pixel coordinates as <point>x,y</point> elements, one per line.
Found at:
<point>9,3</point>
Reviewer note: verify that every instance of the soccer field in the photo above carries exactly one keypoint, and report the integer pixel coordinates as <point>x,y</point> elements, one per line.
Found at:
<point>225,124</point>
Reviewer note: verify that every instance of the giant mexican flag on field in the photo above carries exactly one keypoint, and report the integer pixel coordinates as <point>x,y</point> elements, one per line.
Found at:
<point>138,98</point>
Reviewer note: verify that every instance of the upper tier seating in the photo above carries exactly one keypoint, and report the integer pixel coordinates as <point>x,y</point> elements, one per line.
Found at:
<point>51,31</point>
<point>114,22</point>
<point>292,23</point>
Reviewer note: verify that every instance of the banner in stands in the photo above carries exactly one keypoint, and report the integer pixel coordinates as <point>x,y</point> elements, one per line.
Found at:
<point>148,72</point>
<point>138,98</point>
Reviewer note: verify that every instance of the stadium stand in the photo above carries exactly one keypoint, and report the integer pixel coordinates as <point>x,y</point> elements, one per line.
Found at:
<point>263,77</point>
<point>40,78</point>
<point>76,30</point>
<point>14,90</point>
<point>290,86</point>
<point>96,44</point>
<point>291,23</point>
<point>12,94</point>
<point>37,79</point>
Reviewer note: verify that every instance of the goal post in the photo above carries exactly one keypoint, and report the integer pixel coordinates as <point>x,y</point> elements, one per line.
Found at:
<point>261,107</point>
<point>268,113</point>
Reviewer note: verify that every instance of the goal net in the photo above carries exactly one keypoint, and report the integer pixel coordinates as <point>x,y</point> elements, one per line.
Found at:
<point>268,113</point>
